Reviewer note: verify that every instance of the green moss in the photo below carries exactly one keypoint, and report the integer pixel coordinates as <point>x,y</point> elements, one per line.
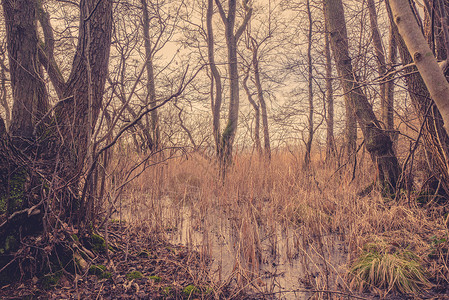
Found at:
<point>155,278</point>
<point>227,132</point>
<point>134,275</point>
<point>3,204</point>
<point>49,281</point>
<point>75,238</point>
<point>190,289</point>
<point>16,191</point>
<point>167,290</point>
<point>11,243</point>
<point>106,275</point>
<point>100,272</point>
<point>98,243</point>
<point>97,270</point>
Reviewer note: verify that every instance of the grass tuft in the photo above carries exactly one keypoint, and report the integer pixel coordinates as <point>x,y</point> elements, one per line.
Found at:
<point>400,271</point>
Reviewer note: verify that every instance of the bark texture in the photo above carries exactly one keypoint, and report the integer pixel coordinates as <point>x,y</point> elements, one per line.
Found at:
<point>216,78</point>
<point>330,141</point>
<point>29,94</point>
<point>232,37</point>
<point>423,57</point>
<point>377,141</point>
<point>256,108</point>
<point>310,86</point>
<point>151,89</point>
<point>261,98</point>
<point>435,136</point>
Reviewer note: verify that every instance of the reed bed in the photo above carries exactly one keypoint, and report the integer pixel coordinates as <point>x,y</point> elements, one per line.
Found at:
<point>310,220</point>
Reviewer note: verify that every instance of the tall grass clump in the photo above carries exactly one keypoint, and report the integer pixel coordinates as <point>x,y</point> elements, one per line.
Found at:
<point>400,271</point>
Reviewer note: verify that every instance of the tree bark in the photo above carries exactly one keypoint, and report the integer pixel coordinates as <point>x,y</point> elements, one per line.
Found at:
<point>330,141</point>
<point>377,142</point>
<point>436,139</point>
<point>74,124</point>
<point>151,89</point>
<point>256,113</point>
<point>261,98</point>
<point>380,60</point>
<point>4,91</point>
<point>388,109</point>
<point>29,93</point>
<point>423,57</point>
<point>310,86</point>
<point>216,78</point>
<point>232,38</point>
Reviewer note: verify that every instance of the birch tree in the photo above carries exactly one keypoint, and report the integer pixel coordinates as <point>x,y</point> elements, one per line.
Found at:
<point>423,57</point>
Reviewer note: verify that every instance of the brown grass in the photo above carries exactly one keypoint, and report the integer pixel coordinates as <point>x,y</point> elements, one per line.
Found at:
<point>270,212</point>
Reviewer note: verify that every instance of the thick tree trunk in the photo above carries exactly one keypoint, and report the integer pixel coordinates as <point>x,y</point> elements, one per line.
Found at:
<point>75,125</point>
<point>377,142</point>
<point>436,139</point>
<point>29,93</point>
<point>30,102</point>
<point>423,57</point>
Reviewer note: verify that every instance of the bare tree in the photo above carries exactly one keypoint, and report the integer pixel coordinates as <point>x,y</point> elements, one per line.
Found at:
<point>377,142</point>
<point>310,85</point>
<point>330,141</point>
<point>422,56</point>
<point>216,78</point>
<point>151,89</point>
<point>256,108</point>
<point>232,37</point>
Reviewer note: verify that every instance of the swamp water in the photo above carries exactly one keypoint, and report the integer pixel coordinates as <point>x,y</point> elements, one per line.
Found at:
<point>274,259</point>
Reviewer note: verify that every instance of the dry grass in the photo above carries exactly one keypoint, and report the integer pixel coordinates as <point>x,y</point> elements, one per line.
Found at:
<point>278,211</point>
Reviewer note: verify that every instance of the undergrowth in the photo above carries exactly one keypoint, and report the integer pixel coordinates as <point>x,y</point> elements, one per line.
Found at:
<point>269,210</point>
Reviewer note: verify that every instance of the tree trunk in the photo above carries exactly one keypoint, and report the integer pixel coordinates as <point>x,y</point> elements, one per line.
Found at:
<point>388,109</point>
<point>380,59</point>
<point>216,78</point>
<point>256,113</point>
<point>29,93</point>
<point>151,89</point>
<point>330,141</point>
<point>436,139</point>
<point>3,90</point>
<point>261,98</point>
<point>423,57</point>
<point>377,142</point>
<point>72,120</point>
<point>231,42</point>
<point>310,87</point>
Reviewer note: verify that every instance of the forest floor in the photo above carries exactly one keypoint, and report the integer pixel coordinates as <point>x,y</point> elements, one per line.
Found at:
<point>138,268</point>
